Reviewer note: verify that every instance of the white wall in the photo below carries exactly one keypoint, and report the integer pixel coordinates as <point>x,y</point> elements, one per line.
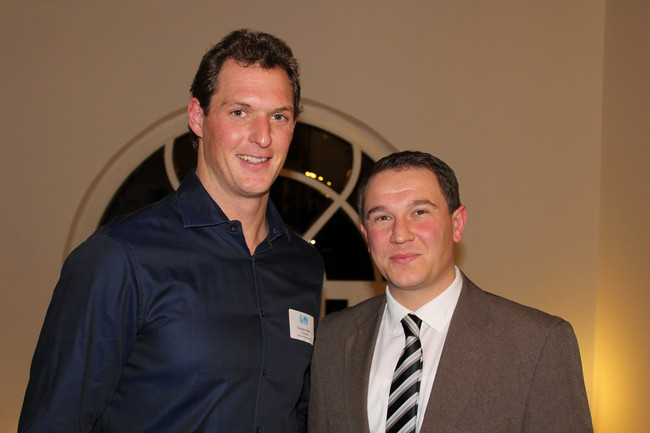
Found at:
<point>508,92</point>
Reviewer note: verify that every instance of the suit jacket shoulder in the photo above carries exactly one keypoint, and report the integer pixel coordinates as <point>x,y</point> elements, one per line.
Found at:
<point>507,367</point>
<point>348,320</point>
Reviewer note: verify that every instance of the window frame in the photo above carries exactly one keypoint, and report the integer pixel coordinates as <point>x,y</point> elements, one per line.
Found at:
<point>163,132</point>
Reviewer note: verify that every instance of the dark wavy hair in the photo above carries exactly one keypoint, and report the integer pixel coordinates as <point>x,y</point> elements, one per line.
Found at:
<point>247,48</point>
<point>413,159</point>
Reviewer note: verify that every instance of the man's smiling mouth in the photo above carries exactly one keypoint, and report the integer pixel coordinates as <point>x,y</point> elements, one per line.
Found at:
<point>252,159</point>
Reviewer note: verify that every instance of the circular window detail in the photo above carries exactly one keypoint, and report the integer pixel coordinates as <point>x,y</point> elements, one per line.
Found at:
<point>316,191</point>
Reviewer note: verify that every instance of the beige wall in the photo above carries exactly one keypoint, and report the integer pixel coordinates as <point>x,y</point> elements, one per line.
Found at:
<point>508,92</point>
<point>622,377</point>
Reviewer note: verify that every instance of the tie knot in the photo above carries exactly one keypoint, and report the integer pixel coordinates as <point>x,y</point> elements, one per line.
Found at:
<point>411,324</point>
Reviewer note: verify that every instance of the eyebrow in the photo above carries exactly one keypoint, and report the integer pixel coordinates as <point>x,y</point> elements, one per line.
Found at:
<point>230,104</point>
<point>374,210</point>
<point>422,202</point>
<point>412,203</point>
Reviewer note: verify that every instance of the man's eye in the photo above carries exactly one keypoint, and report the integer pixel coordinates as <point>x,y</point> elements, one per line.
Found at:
<point>421,212</point>
<point>238,113</point>
<point>280,117</point>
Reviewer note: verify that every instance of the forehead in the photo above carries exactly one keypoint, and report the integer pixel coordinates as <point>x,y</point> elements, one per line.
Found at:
<point>403,185</point>
<point>233,77</point>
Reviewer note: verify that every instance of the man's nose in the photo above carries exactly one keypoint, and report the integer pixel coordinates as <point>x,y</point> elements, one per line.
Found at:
<point>401,231</point>
<point>260,132</point>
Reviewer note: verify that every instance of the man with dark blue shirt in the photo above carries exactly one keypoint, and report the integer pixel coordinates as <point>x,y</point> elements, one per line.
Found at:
<point>197,313</point>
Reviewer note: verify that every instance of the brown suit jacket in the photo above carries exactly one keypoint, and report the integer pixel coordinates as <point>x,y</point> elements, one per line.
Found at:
<point>504,368</point>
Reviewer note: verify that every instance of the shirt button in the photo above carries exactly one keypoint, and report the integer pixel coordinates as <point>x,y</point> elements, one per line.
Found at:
<point>233,228</point>
<point>259,430</point>
<point>264,372</point>
<point>262,313</point>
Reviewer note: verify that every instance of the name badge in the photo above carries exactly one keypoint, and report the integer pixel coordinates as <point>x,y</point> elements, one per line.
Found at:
<point>301,326</point>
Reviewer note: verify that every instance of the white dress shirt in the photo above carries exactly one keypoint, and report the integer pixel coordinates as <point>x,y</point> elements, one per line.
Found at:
<point>435,315</point>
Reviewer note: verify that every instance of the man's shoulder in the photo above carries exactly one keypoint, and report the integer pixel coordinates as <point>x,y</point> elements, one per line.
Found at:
<point>149,225</point>
<point>297,243</point>
<point>160,212</point>
<point>124,232</point>
<point>507,308</point>
<point>289,247</point>
<point>351,318</point>
<point>508,313</point>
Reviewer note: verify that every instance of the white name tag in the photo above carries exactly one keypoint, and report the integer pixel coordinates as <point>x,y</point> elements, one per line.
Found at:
<point>301,326</point>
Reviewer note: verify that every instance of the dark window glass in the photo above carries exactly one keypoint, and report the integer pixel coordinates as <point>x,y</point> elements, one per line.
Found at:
<point>184,156</point>
<point>299,204</point>
<point>332,305</point>
<point>147,184</point>
<point>323,154</point>
<point>344,250</point>
<point>366,164</point>
<point>312,150</point>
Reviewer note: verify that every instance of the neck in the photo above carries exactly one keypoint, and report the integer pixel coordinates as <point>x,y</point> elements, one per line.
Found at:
<point>249,211</point>
<point>415,297</point>
<point>252,215</point>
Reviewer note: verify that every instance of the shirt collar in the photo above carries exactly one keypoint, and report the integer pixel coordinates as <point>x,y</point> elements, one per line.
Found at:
<point>199,210</point>
<point>277,227</point>
<point>436,313</point>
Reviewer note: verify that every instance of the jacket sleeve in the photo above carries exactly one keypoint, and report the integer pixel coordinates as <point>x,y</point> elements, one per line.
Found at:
<point>317,401</point>
<point>88,331</point>
<point>557,400</point>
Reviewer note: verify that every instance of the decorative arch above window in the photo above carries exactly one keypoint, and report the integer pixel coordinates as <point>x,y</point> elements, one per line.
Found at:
<point>315,192</point>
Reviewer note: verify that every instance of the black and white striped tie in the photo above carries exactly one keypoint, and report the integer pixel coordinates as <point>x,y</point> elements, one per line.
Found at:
<point>404,390</point>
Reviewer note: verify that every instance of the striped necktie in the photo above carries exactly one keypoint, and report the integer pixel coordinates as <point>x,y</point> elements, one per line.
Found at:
<point>405,387</point>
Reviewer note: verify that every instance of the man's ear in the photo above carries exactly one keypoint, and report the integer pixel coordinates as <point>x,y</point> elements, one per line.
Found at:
<point>365,233</point>
<point>195,117</point>
<point>459,219</point>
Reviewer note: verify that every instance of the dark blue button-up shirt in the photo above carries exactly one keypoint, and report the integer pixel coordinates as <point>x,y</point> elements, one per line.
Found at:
<point>164,322</point>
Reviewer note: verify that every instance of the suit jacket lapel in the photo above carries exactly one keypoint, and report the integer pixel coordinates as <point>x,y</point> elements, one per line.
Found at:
<point>359,349</point>
<point>461,360</point>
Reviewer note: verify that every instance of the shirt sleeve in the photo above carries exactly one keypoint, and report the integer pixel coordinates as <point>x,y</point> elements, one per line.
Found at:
<point>557,401</point>
<point>89,329</point>
<point>302,407</point>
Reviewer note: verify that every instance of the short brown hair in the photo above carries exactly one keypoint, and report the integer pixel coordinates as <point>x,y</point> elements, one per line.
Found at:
<point>413,159</point>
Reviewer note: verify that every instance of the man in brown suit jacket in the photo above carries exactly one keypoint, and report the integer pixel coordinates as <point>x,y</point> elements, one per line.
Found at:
<point>489,364</point>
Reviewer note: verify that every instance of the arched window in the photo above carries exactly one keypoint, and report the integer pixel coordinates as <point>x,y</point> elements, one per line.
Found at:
<point>315,192</point>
